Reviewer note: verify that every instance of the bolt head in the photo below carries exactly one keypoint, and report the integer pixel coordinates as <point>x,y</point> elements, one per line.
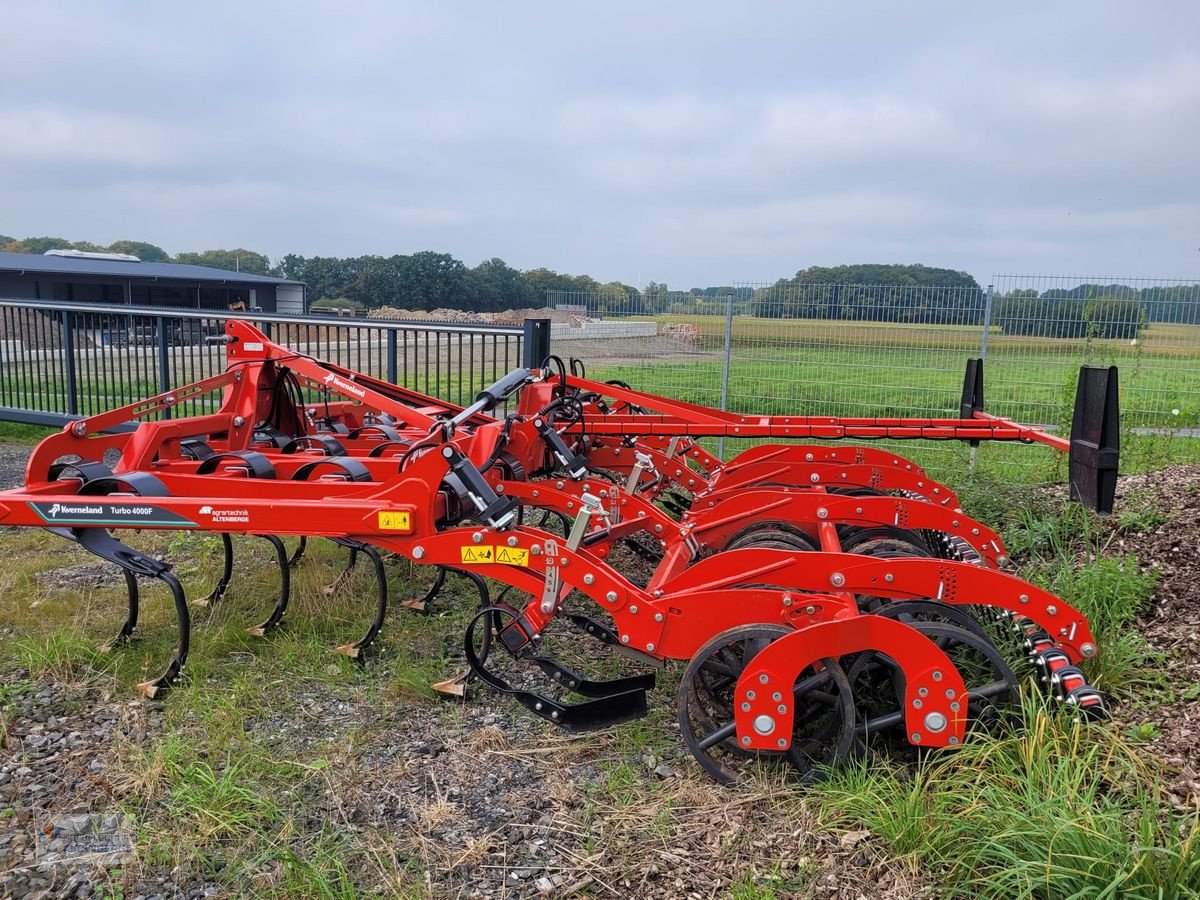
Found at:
<point>624,639</point>
<point>658,617</point>
<point>745,707</point>
<point>238,421</point>
<point>589,578</point>
<point>418,552</point>
<point>633,610</point>
<point>649,648</point>
<point>814,478</point>
<point>746,741</point>
<point>477,537</point>
<point>611,596</point>
<point>762,679</point>
<point>79,429</point>
<point>764,724</point>
<point>837,579</point>
<point>935,722</point>
<point>1052,610</point>
<point>1088,650</point>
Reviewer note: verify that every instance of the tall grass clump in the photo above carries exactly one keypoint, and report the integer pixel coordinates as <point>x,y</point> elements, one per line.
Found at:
<point>1053,809</point>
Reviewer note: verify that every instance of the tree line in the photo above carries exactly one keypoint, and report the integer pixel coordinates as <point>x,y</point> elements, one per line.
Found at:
<point>429,280</point>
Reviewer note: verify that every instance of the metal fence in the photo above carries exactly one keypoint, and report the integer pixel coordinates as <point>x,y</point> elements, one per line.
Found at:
<point>888,350</point>
<point>59,361</point>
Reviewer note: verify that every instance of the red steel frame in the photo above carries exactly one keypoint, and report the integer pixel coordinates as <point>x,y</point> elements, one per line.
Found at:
<point>688,601</point>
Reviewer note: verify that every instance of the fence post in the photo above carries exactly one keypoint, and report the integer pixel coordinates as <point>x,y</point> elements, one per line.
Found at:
<point>983,342</point>
<point>535,343</point>
<point>725,366</point>
<point>391,355</point>
<point>987,322</point>
<point>164,361</point>
<point>69,363</point>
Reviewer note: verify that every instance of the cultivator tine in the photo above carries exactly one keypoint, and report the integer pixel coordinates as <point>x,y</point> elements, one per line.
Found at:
<point>226,574</point>
<point>421,604</point>
<point>456,686</point>
<point>131,615</point>
<point>134,563</point>
<point>351,562</point>
<point>355,649</point>
<point>298,553</point>
<point>149,689</point>
<point>285,587</point>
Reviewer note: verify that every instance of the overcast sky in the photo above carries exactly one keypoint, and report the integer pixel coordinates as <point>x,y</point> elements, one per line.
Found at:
<point>694,143</point>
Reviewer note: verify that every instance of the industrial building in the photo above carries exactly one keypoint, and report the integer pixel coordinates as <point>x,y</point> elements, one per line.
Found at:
<point>111,279</point>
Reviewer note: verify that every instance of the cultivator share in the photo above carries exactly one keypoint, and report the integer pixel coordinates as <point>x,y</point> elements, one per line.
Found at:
<point>822,596</point>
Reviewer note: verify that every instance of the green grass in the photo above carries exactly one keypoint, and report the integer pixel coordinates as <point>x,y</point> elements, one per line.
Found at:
<point>1051,810</point>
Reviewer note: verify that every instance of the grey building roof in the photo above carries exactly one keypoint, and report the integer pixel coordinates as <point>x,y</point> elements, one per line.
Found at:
<point>54,265</point>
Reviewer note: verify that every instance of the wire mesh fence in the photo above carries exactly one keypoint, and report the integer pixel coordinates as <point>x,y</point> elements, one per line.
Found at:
<point>60,361</point>
<point>900,350</point>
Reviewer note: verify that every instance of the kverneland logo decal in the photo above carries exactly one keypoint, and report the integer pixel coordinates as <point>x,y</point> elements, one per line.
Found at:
<point>133,514</point>
<point>343,385</point>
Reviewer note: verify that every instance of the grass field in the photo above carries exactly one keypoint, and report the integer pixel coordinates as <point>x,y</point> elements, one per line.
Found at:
<point>878,369</point>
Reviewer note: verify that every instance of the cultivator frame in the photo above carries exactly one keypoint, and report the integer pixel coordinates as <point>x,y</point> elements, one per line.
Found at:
<point>780,575</point>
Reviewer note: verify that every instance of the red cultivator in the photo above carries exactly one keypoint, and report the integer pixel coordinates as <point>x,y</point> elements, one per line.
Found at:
<point>820,594</point>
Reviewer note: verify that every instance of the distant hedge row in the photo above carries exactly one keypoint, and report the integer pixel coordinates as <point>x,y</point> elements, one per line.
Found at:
<point>1102,317</point>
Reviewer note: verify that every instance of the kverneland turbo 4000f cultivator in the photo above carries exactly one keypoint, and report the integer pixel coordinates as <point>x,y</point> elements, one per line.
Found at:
<point>821,595</point>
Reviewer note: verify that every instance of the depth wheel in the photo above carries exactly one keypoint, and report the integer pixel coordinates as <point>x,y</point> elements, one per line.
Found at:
<point>822,734</point>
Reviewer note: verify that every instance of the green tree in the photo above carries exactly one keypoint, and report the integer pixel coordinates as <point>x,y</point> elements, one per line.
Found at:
<point>238,260</point>
<point>494,285</point>
<point>142,250</point>
<point>40,245</point>
<point>432,280</point>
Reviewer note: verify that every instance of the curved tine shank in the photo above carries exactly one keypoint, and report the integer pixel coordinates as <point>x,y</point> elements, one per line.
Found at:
<point>226,574</point>
<point>150,689</point>
<point>285,587</point>
<point>355,649</point>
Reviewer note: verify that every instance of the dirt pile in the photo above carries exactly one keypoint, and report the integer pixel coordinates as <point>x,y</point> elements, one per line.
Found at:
<point>507,317</point>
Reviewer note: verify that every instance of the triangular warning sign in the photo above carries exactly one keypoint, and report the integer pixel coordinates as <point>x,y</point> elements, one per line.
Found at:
<point>469,555</point>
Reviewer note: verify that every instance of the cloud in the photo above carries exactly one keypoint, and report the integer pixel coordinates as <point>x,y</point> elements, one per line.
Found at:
<point>65,135</point>
<point>692,143</point>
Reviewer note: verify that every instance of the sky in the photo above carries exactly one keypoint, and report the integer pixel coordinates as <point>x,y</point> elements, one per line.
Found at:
<point>692,143</point>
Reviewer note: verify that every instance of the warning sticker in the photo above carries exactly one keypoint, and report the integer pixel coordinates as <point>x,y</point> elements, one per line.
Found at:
<point>395,521</point>
<point>512,556</point>
<point>475,553</point>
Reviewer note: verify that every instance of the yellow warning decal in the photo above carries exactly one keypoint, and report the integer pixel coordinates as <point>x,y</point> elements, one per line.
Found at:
<point>512,556</point>
<point>474,553</point>
<point>395,521</point>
